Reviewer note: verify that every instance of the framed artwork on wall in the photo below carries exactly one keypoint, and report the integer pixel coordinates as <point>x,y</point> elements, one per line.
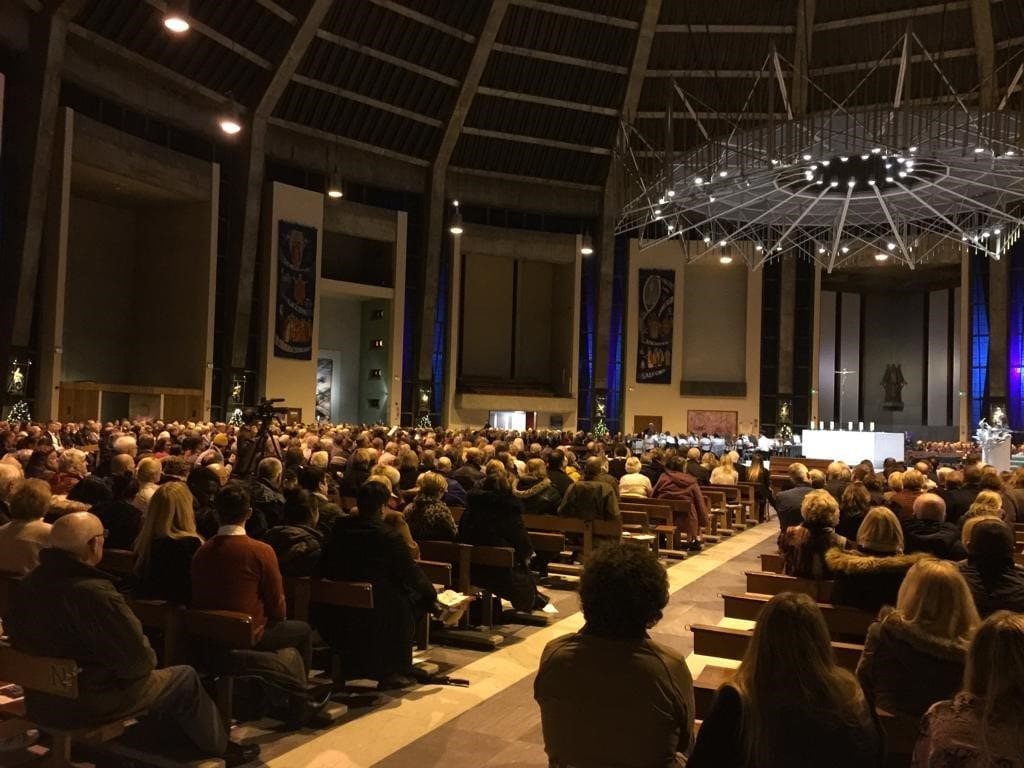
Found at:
<point>712,422</point>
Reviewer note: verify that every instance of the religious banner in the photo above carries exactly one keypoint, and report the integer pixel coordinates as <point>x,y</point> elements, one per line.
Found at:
<point>654,339</point>
<point>296,291</point>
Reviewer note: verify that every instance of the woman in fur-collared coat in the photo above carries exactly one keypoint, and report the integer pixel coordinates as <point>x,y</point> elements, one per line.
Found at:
<point>870,576</point>
<point>914,655</point>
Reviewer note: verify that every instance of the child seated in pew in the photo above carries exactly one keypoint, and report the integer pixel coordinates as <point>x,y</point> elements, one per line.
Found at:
<point>983,725</point>
<point>608,694</point>
<point>789,703</point>
<point>914,655</point>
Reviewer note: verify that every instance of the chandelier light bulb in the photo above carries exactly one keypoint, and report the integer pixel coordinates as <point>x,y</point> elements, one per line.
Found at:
<point>723,243</point>
<point>833,183</point>
<point>913,149</point>
<point>843,158</point>
<point>725,259</point>
<point>877,150</point>
<point>889,179</point>
<point>707,239</point>
<point>671,193</point>
<point>699,180</point>
<point>758,247</point>
<point>845,249</point>
<point>806,157</point>
<point>978,150</point>
<point>881,256</point>
<point>891,246</point>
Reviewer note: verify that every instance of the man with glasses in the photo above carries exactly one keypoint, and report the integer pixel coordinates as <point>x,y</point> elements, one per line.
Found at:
<point>67,608</point>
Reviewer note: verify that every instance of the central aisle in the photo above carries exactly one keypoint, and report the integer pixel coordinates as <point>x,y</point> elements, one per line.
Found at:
<point>495,722</point>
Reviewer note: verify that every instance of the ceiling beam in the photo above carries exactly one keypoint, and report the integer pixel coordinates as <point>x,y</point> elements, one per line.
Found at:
<point>422,18</point>
<point>558,58</point>
<point>611,198</point>
<point>880,18</point>
<point>518,177</point>
<point>802,53</point>
<point>278,11</point>
<point>561,10</point>
<point>535,140</point>
<point>223,40</point>
<point>686,115</point>
<point>359,98</point>
<point>894,61</point>
<point>242,256</point>
<point>333,138</point>
<point>436,187</point>
<point>984,45</point>
<point>707,73</point>
<point>727,29</point>
<point>387,58</point>
<point>530,98</point>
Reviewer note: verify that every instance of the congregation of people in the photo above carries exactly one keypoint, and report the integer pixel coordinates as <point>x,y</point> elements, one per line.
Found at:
<point>217,522</point>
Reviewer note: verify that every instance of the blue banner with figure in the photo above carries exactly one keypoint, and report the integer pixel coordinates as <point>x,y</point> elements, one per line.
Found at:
<point>296,291</point>
<point>657,289</point>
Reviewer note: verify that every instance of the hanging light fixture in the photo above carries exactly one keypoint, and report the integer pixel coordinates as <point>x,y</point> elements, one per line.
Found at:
<point>725,259</point>
<point>334,190</point>
<point>456,223</point>
<point>586,244</point>
<point>230,122</point>
<point>176,17</point>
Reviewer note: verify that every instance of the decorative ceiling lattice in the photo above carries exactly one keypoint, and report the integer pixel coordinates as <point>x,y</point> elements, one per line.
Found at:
<point>894,180</point>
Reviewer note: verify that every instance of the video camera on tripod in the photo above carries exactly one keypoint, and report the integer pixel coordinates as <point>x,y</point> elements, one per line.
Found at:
<point>264,411</point>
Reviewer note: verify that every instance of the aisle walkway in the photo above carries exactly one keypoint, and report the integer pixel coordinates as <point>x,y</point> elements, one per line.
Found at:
<point>495,722</point>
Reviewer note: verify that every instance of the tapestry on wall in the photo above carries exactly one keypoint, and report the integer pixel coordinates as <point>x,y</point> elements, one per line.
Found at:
<point>296,291</point>
<point>721,423</point>
<point>654,338</point>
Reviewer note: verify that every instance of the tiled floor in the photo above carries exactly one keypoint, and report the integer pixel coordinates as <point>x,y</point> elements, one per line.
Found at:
<point>494,723</point>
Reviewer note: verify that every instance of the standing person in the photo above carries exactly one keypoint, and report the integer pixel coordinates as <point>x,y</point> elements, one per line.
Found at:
<point>983,725</point>
<point>789,704</point>
<point>608,694</point>
<point>914,655</point>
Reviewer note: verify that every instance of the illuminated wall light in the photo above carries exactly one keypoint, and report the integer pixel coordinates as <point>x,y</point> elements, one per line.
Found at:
<point>377,344</point>
<point>378,314</point>
<point>586,244</point>
<point>455,227</point>
<point>725,259</point>
<point>881,256</point>
<point>375,373</point>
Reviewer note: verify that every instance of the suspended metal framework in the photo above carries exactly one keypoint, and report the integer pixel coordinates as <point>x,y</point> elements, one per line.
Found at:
<point>895,181</point>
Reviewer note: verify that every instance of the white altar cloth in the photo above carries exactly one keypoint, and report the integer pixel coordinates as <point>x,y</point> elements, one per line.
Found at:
<point>852,447</point>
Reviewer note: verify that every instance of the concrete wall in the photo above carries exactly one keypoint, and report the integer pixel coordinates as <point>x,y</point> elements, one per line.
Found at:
<point>340,337</point>
<point>99,314</point>
<point>376,325</point>
<point>736,294</point>
<point>487,316</point>
<point>294,380</point>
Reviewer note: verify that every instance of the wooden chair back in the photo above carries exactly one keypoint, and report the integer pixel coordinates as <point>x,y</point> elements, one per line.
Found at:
<point>456,555</point>
<point>437,572</point>
<point>44,674</point>
<point>547,542</point>
<point>771,562</point>
<point>118,561</point>
<point>225,629</point>
<point>456,513</point>
<point>634,519</point>
<point>160,619</point>
<point>345,594</point>
<point>495,557</point>
<point>765,583</point>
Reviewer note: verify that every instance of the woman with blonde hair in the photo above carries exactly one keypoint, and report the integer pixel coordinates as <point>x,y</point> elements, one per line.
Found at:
<point>983,725</point>
<point>534,490</point>
<point>870,576</point>
<point>803,546</point>
<point>725,473</point>
<point>914,655</point>
<point>165,546</point>
<point>985,503</point>
<point>428,516</point>
<point>635,483</point>
<point>789,704</point>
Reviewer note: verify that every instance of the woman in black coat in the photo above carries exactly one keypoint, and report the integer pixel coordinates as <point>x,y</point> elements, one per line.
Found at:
<point>376,644</point>
<point>494,518</point>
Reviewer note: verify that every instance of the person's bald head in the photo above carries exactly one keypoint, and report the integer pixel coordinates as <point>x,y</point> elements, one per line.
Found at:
<point>122,463</point>
<point>79,534</point>
<point>930,506</point>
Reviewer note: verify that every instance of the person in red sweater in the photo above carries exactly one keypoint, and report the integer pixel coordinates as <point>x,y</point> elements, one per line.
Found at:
<point>232,572</point>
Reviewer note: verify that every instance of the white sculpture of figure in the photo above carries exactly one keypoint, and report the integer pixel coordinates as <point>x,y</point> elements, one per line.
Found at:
<point>995,442</point>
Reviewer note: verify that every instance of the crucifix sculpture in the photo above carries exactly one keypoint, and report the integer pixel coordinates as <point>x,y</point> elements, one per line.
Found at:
<point>842,391</point>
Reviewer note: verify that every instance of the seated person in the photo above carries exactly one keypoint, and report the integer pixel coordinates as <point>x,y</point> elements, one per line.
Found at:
<point>22,539</point>
<point>87,620</point>
<point>981,726</point>
<point>148,477</point>
<point>608,694</point>
<point>591,498</point>
<point>455,496</point>
<point>11,478</point>
<point>428,516</point>
<point>870,576</point>
<point>72,469</point>
<point>928,531</point>
<point>534,490</point>
<point>803,546</point>
<point>267,500</point>
<point>297,541</point>
<point>166,545</point>
<point>378,644</point>
<point>787,502</point>
<point>995,581</point>
<point>633,482</point>
<point>789,704</point>
<point>232,572</point>
<point>119,516</point>
<point>914,655</point>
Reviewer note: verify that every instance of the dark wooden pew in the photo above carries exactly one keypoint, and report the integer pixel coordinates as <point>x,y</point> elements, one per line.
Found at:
<point>771,562</point>
<point>766,583</point>
<point>842,620</point>
<point>729,643</point>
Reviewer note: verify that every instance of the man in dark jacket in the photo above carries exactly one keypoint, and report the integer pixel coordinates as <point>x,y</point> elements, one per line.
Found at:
<point>928,531</point>
<point>962,488</point>
<point>469,474</point>
<point>556,471</point>
<point>455,495</point>
<point>87,620</point>
<point>591,498</point>
<point>267,500</point>
<point>693,467</point>
<point>787,503</point>
<point>995,581</point>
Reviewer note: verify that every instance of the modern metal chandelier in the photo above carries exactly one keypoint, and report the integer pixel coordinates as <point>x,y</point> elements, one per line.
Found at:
<point>895,181</point>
